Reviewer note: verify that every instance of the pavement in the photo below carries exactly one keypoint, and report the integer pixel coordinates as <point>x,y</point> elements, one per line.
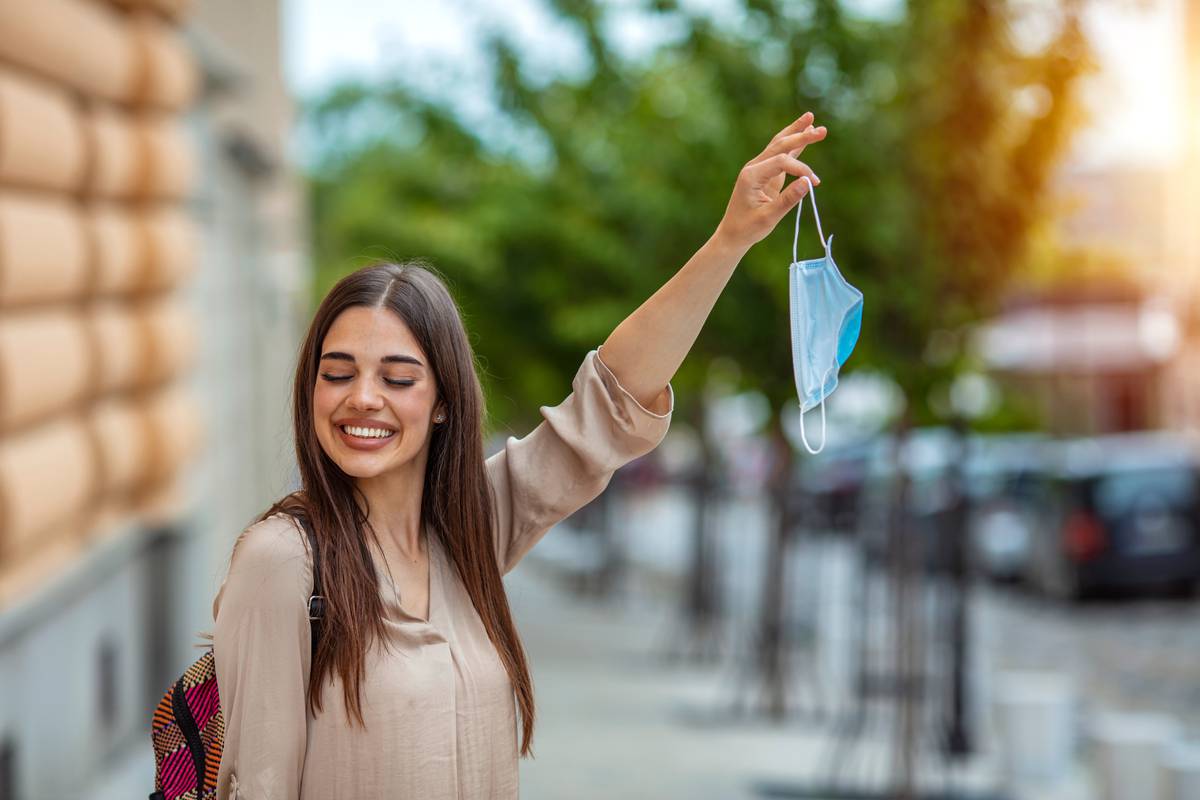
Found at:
<point>614,720</point>
<point>618,719</point>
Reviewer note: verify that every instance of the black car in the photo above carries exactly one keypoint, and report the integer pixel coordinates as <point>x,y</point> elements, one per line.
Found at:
<point>1123,513</point>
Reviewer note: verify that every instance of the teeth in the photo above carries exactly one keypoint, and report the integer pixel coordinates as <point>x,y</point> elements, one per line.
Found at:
<point>366,433</point>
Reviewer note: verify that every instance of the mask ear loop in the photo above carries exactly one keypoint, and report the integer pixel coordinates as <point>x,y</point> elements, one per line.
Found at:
<point>812,193</point>
<point>803,435</point>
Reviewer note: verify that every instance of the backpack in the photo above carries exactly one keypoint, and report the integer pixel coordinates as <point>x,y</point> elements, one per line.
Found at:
<point>188,730</point>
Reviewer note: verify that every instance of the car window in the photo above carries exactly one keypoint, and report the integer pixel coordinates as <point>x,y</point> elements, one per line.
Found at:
<point>1122,492</point>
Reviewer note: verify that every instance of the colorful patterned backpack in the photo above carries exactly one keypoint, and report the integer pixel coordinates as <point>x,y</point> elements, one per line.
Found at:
<point>189,730</point>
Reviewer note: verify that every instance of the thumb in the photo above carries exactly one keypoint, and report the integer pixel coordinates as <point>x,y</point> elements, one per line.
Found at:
<point>789,197</point>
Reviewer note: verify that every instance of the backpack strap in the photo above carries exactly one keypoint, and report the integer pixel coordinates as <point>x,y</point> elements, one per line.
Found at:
<point>316,601</point>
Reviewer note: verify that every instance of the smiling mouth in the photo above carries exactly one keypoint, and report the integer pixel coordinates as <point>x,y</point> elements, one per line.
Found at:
<point>366,434</point>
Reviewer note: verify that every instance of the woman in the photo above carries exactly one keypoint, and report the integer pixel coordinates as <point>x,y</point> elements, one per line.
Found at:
<point>418,676</point>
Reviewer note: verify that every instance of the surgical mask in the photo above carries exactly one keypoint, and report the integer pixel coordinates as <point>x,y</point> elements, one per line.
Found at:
<point>826,316</point>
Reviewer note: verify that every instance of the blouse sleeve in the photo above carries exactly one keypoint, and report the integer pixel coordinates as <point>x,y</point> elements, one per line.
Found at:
<point>568,459</point>
<point>261,646</point>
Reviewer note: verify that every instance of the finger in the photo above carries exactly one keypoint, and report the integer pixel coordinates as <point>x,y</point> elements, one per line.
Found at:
<point>801,122</point>
<point>795,143</point>
<point>793,194</point>
<point>818,135</point>
<point>780,164</point>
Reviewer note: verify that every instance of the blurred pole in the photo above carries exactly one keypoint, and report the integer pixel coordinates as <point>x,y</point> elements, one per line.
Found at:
<point>772,670</point>
<point>612,560</point>
<point>701,597</point>
<point>958,737</point>
<point>702,585</point>
<point>902,571</point>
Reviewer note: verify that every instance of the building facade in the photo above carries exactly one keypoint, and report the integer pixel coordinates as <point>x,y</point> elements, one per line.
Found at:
<point>153,284</point>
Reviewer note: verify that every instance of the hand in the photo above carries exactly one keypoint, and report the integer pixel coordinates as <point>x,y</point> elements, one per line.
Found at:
<point>759,199</point>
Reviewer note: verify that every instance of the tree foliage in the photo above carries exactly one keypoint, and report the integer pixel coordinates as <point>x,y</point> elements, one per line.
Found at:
<point>943,133</point>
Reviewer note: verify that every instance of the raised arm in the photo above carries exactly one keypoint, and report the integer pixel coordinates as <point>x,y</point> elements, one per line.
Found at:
<point>646,349</point>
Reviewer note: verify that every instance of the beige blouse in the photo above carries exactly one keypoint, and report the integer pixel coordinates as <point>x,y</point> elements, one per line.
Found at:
<point>439,707</point>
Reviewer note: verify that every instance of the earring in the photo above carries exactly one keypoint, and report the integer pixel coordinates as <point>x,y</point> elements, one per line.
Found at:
<point>439,418</point>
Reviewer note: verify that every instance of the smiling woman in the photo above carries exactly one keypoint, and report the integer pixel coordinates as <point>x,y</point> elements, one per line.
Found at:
<point>415,684</point>
<point>382,408</point>
<point>416,687</point>
<point>364,408</point>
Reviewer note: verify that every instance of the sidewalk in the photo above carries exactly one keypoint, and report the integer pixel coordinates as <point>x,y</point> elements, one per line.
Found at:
<point>609,712</point>
<point>612,717</point>
<point>616,721</point>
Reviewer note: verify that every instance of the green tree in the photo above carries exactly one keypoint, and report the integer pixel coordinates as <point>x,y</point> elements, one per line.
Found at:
<point>943,134</point>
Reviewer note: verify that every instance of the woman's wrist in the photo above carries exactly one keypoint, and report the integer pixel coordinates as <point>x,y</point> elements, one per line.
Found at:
<point>728,245</point>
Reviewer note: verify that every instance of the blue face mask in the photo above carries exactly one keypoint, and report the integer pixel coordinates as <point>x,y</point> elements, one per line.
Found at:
<point>826,318</point>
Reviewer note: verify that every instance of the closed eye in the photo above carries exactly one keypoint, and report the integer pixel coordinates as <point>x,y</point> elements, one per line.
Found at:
<point>340,378</point>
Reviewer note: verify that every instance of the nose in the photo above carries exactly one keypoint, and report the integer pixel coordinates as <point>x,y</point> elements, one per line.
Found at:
<point>364,396</point>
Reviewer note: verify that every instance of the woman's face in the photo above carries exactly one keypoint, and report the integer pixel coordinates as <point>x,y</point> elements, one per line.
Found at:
<point>374,399</point>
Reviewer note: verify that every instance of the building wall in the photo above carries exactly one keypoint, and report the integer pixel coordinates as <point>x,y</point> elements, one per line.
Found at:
<point>95,243</point>
<point>253,281</point>
<point>153,289</point>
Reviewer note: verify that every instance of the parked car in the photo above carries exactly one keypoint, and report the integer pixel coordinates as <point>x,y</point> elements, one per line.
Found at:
<point>1009,491</point>
<point>1006,478</point>
<point>1124,513</point>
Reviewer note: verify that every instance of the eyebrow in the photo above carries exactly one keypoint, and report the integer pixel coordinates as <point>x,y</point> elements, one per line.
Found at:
<point>339,356</point>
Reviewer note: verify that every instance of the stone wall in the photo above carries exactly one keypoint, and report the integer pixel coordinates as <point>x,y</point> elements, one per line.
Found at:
<point>96,245</point>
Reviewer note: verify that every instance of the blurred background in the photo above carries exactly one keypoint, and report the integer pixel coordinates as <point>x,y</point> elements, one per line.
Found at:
<point>986,585</point>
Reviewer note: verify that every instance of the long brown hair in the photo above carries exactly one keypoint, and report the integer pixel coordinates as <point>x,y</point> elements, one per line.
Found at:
<point>457,503</point>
